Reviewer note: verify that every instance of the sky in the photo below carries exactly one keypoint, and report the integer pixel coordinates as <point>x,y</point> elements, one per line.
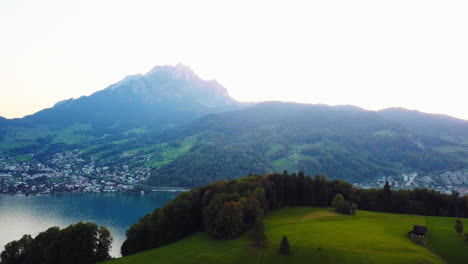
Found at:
<point>373,54</point>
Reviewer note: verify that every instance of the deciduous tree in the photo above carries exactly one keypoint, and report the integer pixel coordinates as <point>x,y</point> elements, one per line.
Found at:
<point>257,235</point>
<point>229,222</point>
<point>337,201</point>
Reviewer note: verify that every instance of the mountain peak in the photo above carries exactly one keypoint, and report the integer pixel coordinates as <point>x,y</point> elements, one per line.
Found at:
<point>178,84</point>
<point>176,72</point>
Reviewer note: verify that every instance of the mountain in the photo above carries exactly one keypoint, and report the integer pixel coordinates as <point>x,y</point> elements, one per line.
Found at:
<point>164,96</point>
<point>190,132</point>
<point>443,126</point>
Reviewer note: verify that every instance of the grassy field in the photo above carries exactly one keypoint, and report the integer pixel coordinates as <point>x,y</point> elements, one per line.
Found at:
<point>318,235</point>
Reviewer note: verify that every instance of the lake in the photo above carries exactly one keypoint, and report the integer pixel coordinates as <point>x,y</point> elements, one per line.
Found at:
<point>21,215</point>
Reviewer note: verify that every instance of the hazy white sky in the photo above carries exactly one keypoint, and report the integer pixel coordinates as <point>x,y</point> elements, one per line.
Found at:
<point>373,54</point>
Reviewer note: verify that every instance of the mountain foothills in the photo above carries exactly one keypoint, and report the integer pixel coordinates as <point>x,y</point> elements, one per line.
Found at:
<point>184,131</point>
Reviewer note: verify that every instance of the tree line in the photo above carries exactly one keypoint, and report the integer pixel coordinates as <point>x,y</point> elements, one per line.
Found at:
<point>226,209</point>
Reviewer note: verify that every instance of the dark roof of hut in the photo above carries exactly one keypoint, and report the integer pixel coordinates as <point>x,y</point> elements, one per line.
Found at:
<point>420,229</point>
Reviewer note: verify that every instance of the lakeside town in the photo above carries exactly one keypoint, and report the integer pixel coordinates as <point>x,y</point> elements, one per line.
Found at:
<point>445,183</point>
<point>68,172</point>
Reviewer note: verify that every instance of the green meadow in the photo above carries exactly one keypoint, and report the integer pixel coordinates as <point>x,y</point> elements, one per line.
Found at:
<point>319,235</point>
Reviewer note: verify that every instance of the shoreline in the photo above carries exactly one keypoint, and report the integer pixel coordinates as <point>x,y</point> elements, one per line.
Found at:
<point>153,190</point>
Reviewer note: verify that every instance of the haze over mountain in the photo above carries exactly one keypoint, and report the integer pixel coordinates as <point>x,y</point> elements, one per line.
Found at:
<point>437,125</point>
<point>342,141</point>
<point>190,132</point>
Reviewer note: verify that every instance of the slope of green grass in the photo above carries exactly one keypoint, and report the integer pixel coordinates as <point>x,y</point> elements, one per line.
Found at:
<point>445,242</point>
<point>318,235</point>
<point>169,153</point>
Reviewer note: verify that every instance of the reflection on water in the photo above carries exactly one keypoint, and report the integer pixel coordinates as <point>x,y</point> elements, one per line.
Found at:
<point>21,215</point>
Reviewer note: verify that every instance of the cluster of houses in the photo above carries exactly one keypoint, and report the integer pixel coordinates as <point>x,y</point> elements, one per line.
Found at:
<point>446,182</point>
<point>67,172</point>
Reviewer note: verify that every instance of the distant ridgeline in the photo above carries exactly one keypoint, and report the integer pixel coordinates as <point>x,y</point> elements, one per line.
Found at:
<point>226,209</point>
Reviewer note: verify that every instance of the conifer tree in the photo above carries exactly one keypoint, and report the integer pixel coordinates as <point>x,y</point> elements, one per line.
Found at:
<point>284,247</point>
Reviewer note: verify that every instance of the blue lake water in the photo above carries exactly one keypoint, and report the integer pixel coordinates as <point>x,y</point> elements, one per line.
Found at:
<point>21,215</point>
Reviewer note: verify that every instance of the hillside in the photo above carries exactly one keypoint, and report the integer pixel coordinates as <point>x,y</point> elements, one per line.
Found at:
<point>440,126</point>
<point>347,142</point>
<point>318,235</point>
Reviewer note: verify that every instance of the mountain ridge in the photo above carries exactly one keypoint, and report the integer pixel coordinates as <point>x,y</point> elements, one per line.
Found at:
<point>453,129</point>
<point>273,136</point>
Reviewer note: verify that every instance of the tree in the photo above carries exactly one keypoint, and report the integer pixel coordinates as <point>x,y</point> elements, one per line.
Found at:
<point>17,252</point>
<point>229,222</point>
<point>345,208</point>
<point>454,203</point>
<point>43,249</point>
<point>257,235</point>
<point>386,197</point>
<point>466,237</point>
<point>284,247</point>
<point>458,226</point>
<point>337,201</point>
<point>104,244</point>
<point>321,190</point>
<point>354,207</point>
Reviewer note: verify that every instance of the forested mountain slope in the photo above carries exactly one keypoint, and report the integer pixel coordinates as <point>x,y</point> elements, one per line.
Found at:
<point>347,142</point>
